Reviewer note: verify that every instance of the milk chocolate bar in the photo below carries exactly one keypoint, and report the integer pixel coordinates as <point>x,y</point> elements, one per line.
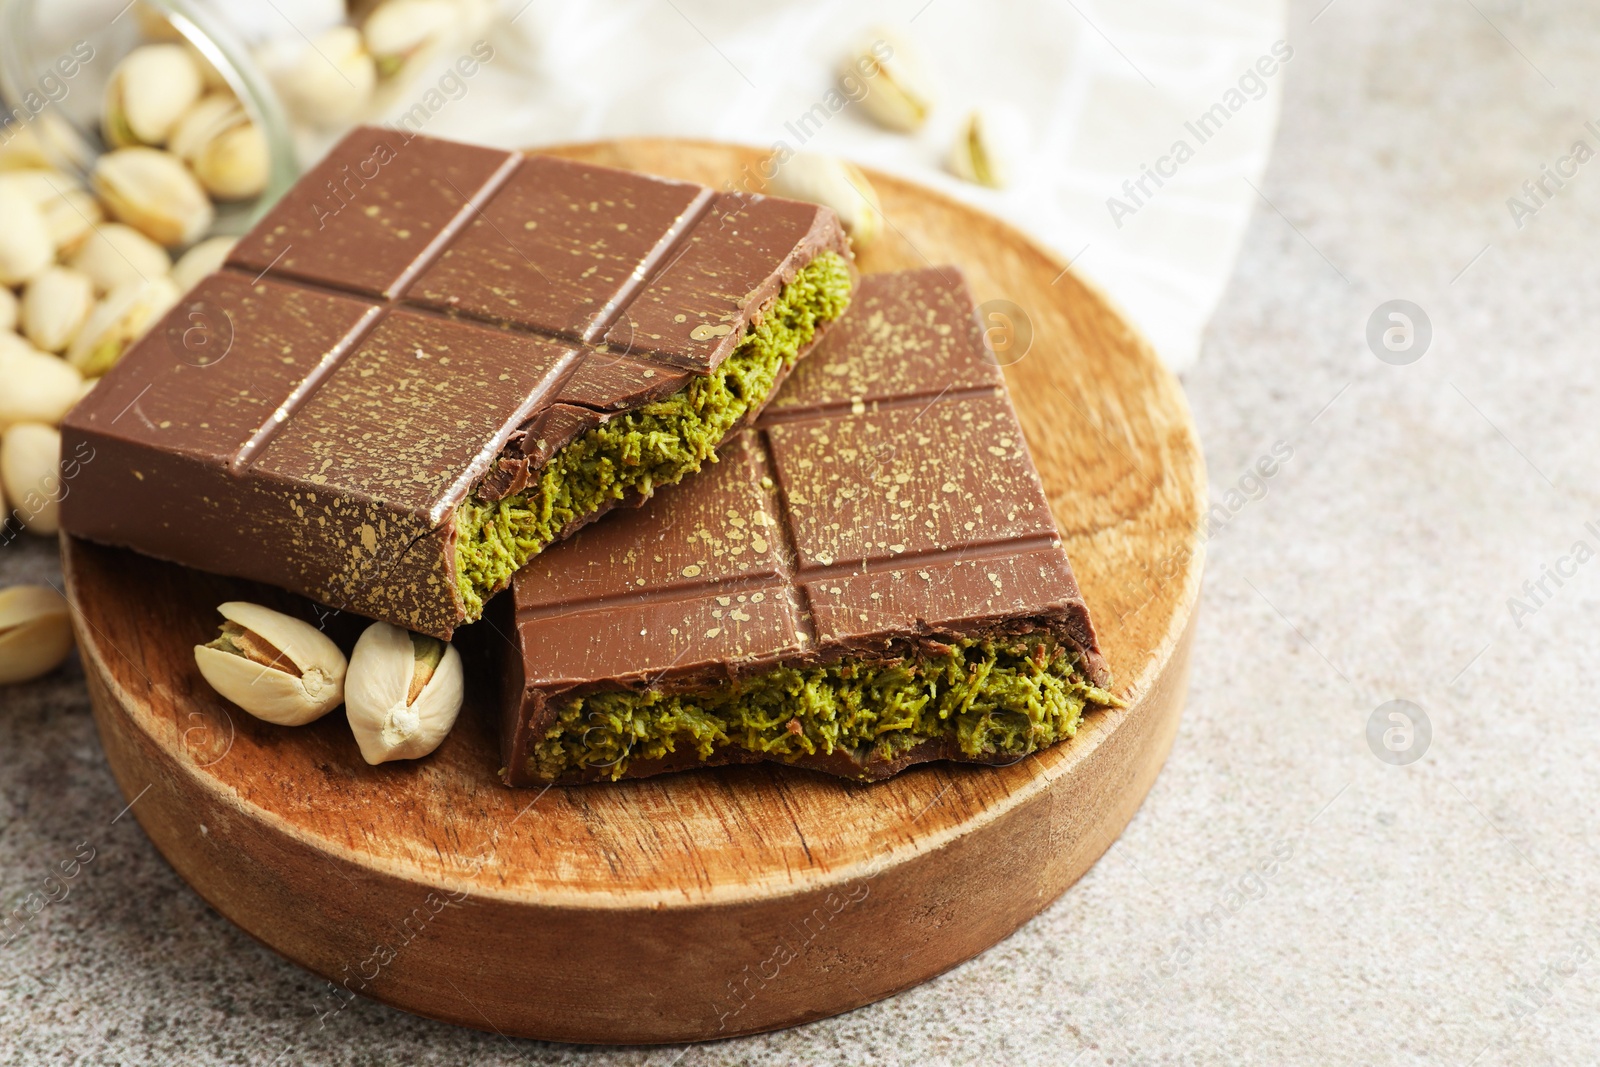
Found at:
<point>868,579</point>
<point>430,361</point>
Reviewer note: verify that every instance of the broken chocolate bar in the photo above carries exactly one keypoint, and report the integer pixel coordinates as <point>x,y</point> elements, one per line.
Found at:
<point>867,580</point>
<point>430,361</point>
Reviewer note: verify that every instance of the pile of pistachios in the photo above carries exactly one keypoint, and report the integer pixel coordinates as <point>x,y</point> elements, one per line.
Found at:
<point>84,271</point>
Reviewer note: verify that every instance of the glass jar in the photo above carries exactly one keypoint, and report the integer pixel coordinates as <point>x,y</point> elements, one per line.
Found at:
<point>56,57</point>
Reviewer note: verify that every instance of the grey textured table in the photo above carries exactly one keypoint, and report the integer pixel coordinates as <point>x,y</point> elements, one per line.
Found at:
<point>1284,896</point>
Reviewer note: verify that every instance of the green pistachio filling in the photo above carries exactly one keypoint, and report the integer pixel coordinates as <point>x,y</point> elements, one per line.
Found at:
<point>995,698</point>
<point>652,446</point>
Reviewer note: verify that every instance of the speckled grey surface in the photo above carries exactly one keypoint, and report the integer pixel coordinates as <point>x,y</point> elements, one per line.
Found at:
<point>1440,912</point>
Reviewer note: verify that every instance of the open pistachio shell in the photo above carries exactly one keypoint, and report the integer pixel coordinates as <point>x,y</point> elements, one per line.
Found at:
<point>899,93</point>
<point>399,29</point>
<point>35,632</point>
<point>118,321</point>
<point>148,93</point>
<point>153,192</point>
<point>306,687</point>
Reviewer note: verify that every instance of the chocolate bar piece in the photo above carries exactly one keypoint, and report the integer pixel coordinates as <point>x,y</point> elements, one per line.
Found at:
<point>869,579</point>
<point>430,361</point>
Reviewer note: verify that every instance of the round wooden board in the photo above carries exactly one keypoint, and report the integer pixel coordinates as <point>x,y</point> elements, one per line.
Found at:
<point>697,905</point>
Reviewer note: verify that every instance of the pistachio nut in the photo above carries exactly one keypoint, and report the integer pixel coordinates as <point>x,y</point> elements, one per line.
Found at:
<point>30,470</point>
<point>213,114</point>
<point>233,165</point>
<point>403,694</point>
<point>330,82</point>
<point>119,320</point>
<point>898,92</point>
<point>834,183</point>
<point>115,254</point>
<point>25,245</point>
<point>201,260</point>
<point>397,30</point>
<point>71,216</point>
<point>22,148</point>
<point>989,144</point>
<point>38,388</point>
<point>54,306</point>
<point>278,668</point>
<point>39,184</point>
<point>8,310</point>
<point>224,148</point>
<point>153,192</point>
<point>147,94</point>
<point>35,632</point>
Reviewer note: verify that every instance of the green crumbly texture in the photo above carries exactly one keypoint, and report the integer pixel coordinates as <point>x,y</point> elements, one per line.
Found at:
<point>652,446</point>
<point>995,698</point>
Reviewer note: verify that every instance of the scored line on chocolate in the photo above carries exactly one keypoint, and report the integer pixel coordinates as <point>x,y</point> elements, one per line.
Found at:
<point>656,262</point>
<point>788,578</point>
<point>787,556</point>
<point>480,464</point>
<point>252,449</point>
<point>769,417</point>
<point>671,246</point>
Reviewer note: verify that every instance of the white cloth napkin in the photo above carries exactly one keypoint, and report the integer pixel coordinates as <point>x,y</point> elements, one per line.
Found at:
<point>1109,89</point>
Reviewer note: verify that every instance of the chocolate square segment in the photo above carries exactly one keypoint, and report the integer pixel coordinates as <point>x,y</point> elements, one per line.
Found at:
<point>909,334</point>
<point>371,391</point>
<point>884,508</point>
<point>691,313</point>
<point>363,217</point>
<point>560,246</point>
<point>908,480</point>
<point>416,413</point>
<point>726,531</point>
<point>209,399</point>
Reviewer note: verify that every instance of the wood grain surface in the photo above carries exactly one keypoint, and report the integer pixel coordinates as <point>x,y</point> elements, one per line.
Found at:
<point>697,905</point>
